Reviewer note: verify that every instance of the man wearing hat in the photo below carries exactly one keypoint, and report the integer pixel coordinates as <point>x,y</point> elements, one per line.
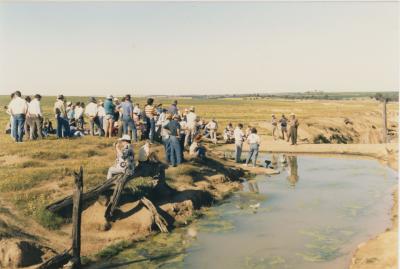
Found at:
<point>175,148</point>
<point>109,109</point>
<point>191,119</point>
<point>91,111</point>
<point>61,117</point>
<point>124,162</point>
<point>35,117</point>
<point>127,117</point>
<point>293,125</point>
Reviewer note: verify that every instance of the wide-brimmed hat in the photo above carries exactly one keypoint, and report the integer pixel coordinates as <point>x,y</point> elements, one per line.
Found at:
<point>125,138</point>
<point>109,97</point>
<point>92,99</point>
<point>60,96</point>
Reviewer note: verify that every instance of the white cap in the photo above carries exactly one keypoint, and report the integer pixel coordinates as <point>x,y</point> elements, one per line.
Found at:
<point>125,138</point>
<point>109,97</point>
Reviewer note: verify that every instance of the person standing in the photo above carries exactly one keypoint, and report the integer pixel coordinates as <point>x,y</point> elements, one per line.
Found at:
<point>91,111</point>
<point>11,117</point>
<point>254,142</point>
<point>239,138</point>
<point>35,117</point>
<point>109,110</point>
<point>150,112</point>
<point>18,109</point>
<point>173,109</point>
<point>174,128</point>
<point>165,133</point>
<point>293,124</point>
<point>191,121</point>
<point>125,161</point>
<point>274,123</point>
<point>283,123</point>
<point>101,114</point>
<point>127,117</point>
<point>61,117</point>
<point>212,126</point>
<point>78,115</point>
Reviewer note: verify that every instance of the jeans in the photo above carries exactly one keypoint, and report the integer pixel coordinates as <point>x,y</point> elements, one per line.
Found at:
<point>167,148</point>
<point>127,121</point>
<point>152,129</point>
<point>253,153</point>
<point>62,127</point>
<point>238,152</point>
<point>18,127</point>
<point>175,150</point>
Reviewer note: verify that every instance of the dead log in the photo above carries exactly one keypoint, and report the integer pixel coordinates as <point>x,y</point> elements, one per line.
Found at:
<point>57,261</point>
<point>76,220</point>
<point>152,169</point>
<point>159,220</point>
<point>112,205</point>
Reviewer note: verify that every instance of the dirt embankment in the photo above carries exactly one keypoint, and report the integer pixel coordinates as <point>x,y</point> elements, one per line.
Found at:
<point>193,184</point>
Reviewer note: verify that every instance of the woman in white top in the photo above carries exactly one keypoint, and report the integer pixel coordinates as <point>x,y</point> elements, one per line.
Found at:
<point>254,141</point>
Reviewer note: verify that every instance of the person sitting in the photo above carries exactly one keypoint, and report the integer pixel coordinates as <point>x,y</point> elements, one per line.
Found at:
<point>146,153</point>
<point>124,162</point>
<point>73,130</point>
<point>197,150</point>
<point>228,133</point>
<point>47,127</point>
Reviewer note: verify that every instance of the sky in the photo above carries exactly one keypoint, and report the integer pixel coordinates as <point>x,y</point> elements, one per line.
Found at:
<point>149,48</point>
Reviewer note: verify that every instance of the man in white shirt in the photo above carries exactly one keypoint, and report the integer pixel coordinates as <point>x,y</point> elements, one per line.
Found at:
<point>239,137</point>
<point>212,127</point>
<point>91,111</point>
<point>101,113</point>
<point>78,114</point>
<point>18,108</point>
<point>61,117</point>
<point>191,120</point>
<point>34,118</point>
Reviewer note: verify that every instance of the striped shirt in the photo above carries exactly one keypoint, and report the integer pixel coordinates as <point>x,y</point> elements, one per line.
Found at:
<point>150,111</point>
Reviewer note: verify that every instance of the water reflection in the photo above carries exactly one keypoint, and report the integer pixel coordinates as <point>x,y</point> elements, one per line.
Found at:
<point>292,170</point>
<point>253,186</point>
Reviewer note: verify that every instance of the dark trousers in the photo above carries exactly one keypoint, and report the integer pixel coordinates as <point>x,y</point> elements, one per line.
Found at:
<point>95,121</point>
<point>293,135</point>
<point>18,127</point>
<point>62,127</point>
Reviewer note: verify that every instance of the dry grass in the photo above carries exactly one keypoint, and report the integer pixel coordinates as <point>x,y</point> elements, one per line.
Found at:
<point>36,172</point>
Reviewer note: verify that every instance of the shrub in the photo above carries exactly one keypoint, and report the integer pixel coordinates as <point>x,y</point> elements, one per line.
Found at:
<point>48,219</point>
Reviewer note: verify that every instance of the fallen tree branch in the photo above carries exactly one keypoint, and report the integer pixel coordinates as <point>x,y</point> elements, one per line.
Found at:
<point>57,261</point>
<point>158,219</point>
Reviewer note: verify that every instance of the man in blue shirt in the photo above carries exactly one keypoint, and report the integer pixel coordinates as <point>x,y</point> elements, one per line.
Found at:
<point>175,147</point>
<point>127,117</point>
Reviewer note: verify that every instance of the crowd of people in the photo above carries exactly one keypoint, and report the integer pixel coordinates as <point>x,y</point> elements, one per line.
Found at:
<point>177,129</point>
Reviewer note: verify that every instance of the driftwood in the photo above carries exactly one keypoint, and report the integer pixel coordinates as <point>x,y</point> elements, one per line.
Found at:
<point>155,170</point>
<point>112,205</point>
<point>76,220</point>
<point>57,261</point>
<point>158,219</point>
